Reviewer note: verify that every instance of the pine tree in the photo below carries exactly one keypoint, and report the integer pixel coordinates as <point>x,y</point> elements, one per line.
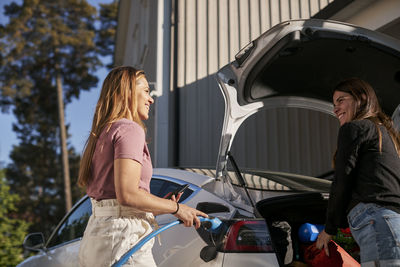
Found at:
<point>105,40</point>
<point>48,55</point>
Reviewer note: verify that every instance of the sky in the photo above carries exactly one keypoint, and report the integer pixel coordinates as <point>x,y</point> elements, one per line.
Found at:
<point>78,113</point>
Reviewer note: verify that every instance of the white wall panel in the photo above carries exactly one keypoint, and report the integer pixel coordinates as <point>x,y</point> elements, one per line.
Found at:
<point>255,19</point>
<point>305,9</point>
<point>284,10</point>
<point>244,22</point>
<point>274,12</point>
<point>294,9</point>
<point>181,43</point>
<point>314,6</point>
<point>266,17</point>
<point>288,140</point>
<point>134,40</point>
<point>210,33</point>
<point>212,37</point>
<point>223,33</point>
<point>191,42</point>
<point>234,30</point>
<point>202,38</point>
<point>370,14</point>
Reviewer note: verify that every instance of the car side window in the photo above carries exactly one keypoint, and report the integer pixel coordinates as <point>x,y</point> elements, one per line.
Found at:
<point>161,188</point>
<point>73,226</point>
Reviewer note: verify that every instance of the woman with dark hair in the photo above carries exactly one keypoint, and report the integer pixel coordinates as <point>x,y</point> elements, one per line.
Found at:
<point>366,185</point>
<point>116,170</point>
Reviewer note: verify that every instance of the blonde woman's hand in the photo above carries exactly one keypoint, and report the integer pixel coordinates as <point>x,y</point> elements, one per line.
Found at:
<point>176,199</point>
<point>189,215</point>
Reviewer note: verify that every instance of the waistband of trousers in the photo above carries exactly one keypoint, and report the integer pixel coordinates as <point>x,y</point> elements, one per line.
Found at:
<point>111,207</point>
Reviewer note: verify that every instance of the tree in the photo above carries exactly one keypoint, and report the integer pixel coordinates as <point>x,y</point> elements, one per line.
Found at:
<point>48,55</point>
<point>105,40</point>
<point>12,230</point>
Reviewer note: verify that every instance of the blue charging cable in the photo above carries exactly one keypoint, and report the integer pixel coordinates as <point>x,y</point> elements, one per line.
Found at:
<point>210,224</point>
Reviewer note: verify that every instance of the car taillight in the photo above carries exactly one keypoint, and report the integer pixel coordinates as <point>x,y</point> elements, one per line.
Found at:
<point>248,236</point>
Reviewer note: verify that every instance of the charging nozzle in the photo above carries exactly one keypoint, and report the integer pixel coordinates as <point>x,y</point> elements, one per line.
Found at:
<point>212,223</point>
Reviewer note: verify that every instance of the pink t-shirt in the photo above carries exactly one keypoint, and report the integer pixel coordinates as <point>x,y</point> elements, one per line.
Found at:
<point>124,140</point>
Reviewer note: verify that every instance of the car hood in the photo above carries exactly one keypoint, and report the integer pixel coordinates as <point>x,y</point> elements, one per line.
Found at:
<point>296,64</point>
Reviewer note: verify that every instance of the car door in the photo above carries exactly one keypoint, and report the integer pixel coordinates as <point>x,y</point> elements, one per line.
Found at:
<point>61,250</point>
<point>179,245</point>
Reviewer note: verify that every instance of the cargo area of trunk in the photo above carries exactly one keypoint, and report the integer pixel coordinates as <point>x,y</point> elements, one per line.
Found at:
<point>285,215</point>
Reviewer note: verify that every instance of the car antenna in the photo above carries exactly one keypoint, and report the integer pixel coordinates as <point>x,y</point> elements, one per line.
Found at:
<point>240,177</point>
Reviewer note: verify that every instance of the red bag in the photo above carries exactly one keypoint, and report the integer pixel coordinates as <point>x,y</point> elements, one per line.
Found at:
<point>337,256</point>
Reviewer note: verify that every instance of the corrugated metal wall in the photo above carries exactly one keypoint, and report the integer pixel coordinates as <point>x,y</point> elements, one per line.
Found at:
<point>209,34</point>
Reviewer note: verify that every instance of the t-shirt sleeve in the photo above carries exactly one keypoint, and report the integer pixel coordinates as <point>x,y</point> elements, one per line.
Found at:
<point>350,138</point>
<point>129,141</point>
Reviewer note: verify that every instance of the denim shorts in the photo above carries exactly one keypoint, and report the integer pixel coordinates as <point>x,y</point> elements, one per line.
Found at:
<point>377,231</point>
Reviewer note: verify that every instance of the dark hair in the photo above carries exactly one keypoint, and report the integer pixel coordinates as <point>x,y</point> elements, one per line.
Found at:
<point>367,107</point>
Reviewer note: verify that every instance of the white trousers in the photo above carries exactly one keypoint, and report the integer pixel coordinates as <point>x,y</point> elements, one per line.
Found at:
<point>113,230</point>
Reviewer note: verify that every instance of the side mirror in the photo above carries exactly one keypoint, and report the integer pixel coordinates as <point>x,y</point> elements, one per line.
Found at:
<point>34,242</point>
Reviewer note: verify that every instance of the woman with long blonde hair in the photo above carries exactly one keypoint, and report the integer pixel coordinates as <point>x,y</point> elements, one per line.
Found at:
<point>116,170</point>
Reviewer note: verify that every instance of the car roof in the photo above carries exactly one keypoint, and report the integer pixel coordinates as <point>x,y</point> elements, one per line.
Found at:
<point>270,180</point>
<point>198,179</point>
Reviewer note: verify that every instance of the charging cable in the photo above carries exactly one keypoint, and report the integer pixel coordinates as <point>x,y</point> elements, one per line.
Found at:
<point>210,224</point>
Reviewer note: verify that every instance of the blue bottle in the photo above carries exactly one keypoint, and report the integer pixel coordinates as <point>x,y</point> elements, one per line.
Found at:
<point>309,232</point>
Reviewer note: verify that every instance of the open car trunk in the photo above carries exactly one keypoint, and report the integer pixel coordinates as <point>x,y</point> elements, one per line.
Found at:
<point>296,209</point>
<point>296,64</point>
<point>285,215</point>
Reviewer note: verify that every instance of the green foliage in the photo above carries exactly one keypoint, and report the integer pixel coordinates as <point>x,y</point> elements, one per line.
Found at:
<point>108,25</point>
<point>43,39</point>
<point>12,230</point>
<point>46,37</point>
<point>344,239</point>
<point>37,177</point>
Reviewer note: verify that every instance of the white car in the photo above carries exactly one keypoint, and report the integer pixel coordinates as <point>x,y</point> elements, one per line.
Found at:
<point>261,210</point>
<point>243,239</point>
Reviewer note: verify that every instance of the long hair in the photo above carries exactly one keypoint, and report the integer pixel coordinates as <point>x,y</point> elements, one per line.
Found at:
<point>117,100</point>
<point>367,107</point>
